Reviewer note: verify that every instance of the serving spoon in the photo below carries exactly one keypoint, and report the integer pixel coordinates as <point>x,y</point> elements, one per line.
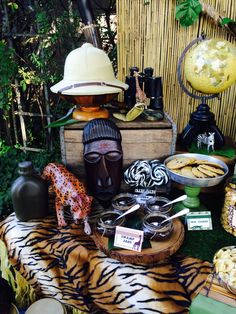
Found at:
<point>131,210</point>
<point>176,200</point>
<point>180,213</point>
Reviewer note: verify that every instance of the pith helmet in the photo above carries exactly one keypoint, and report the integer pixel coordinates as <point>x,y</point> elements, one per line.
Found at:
<point>88,71</point>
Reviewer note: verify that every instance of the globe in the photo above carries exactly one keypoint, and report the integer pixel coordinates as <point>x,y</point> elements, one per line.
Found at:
<point>210,67</point>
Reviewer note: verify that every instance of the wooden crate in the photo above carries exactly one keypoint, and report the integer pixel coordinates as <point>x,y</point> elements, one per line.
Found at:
<point>140,140</point>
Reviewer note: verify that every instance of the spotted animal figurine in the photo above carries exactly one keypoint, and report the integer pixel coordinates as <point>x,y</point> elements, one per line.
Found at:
<point>69,192</point>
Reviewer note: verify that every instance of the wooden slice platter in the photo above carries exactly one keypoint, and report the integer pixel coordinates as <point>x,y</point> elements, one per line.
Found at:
<point>159,250</point>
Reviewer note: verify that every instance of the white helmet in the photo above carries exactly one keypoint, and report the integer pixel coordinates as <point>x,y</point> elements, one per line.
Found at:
<point>88,71</point>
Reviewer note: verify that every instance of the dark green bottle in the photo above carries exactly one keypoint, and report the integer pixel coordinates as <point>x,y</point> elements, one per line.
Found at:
<point>29,194</point>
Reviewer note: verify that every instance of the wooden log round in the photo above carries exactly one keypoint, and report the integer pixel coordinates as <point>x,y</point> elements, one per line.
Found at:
<point>159,250</point>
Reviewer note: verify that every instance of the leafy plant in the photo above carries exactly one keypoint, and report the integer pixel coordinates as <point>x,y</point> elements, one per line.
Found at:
<point>187,11</point>
<point>3,148</point>
<point>226,20</point>
<point>8,71</point>
<point>28,77</point>
<point>13,5</point>
<point>65,120</point>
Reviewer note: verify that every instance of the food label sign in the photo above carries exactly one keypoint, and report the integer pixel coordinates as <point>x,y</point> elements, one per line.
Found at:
<point>199,221</point>
<point>127,238</point>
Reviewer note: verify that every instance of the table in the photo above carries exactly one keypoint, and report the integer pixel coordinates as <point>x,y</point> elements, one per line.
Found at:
<point>64,263</point>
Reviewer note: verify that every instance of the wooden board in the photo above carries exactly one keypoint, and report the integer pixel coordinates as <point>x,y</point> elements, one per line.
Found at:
<point>159,250</point>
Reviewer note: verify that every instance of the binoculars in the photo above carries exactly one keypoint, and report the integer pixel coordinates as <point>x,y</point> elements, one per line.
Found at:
<point>152,88</point>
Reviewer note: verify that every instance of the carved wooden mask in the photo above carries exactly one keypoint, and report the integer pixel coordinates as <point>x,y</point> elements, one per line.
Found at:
<point>103,159</point>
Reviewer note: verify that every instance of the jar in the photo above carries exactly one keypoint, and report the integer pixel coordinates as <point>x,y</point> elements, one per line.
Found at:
<point>155,205</point>
<point>228,214</point>
<point>29,194</point>
<point>123,201</point>
<point>106,224</point>
<point>155,230</point>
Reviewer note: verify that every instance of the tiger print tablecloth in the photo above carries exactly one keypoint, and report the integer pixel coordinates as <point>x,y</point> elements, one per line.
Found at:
<point>65,264</point>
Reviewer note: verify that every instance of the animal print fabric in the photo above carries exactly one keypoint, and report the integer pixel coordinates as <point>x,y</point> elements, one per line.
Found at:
<point>64,263</point>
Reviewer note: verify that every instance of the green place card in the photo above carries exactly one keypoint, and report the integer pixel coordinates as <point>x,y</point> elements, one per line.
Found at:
<point>199,221</point>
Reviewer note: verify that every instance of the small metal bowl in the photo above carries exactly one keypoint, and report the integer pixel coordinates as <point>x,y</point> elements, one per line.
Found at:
<point>123,201</point>
<point>197,182</point>
<point>155,205</point>
<point>154,230</point>
<point>106,224</point>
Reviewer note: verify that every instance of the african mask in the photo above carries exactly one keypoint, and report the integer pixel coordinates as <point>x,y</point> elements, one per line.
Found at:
<point>103,159</point>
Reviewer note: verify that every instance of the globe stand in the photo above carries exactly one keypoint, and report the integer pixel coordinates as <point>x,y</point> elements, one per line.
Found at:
<point>202,120</point>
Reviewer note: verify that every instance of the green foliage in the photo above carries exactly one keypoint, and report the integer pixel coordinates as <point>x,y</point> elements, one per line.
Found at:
<point>226,20</point>
<point>65,120</point>
<point>43,23</point>
<point>187,11</point>
<point>28,77</point>
<point>37,61</point>
<point>8,71</point>
<point>9,159</point>
<point>3,148</point>
<point>13,5</point>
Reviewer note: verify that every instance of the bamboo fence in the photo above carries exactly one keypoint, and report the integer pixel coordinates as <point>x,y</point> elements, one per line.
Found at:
<point>149,35</point>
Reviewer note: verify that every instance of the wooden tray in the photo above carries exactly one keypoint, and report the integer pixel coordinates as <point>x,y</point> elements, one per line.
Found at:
<point>159,250</point>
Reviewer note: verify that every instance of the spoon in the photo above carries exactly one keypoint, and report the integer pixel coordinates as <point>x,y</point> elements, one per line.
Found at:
<point>180,213</point>
<point>178,199</point>
<point>132,209</point>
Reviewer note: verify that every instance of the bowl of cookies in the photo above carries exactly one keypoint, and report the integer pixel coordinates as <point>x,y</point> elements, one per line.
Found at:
<point>196,170</point>
<point>225,267</point>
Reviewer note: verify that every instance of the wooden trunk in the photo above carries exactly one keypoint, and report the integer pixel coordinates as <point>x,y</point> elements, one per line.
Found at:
<point>141,139</point>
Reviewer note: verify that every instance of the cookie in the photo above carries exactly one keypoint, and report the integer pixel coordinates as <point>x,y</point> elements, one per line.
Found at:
<point>176,171</point>
<point>207,172</point>
<point>198,173</point>
<point>187,172</point>
<point>213,169</point>
<point>210,163</point>
<point>180,162</point>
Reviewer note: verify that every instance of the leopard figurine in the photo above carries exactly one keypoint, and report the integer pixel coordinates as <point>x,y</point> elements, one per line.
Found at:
<point>69,192</point>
